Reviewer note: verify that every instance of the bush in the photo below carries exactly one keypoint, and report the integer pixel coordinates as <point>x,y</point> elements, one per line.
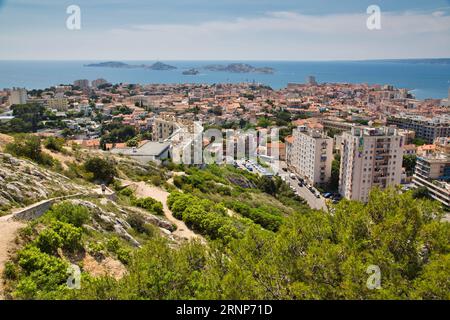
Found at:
<point>59,235</point>
<point>29,146</point>
<point>96,249</point>
<point>149,204</point>
<point>156,180</point>
<point>203,216</point>
<point>70,213</point>
<point>138,223</point>
<point>10,272</point>
<point>41,273</point>
<point>126,192</point>
<point>266,217</point>
<point>102,170</point>
<point>113,244</point>
<point>124,255</point>
<point>49,241</point>
<point>54,143</point>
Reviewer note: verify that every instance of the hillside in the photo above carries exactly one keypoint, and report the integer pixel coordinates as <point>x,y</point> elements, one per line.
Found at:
<point>179,232</point>
<point>24,182</point>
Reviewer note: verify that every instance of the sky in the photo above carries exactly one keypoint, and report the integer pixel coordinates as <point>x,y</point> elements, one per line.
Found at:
<point>224,30</point>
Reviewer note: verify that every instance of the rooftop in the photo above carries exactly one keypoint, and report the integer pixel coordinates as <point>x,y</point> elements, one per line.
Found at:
<point>151,148</point>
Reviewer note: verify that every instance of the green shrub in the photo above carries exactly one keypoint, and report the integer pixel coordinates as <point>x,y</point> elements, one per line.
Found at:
<point>267,217</point>
<point>102,170</point>
<point>156,180</point>
<point>126,192</point>
<point>41,273</point>
<point>49,241</point>
<point>29,146</point>
<point>138,223</point>
<point>124,255</point>
<point>149,204</point>
<point>54,143</point>
<point>113,244</point>
<point>96,249</point>
<point>59,235</point>
<point>10,272</point>
<point>70,234</point>
<point>70,213</point>
<point>203,216</point>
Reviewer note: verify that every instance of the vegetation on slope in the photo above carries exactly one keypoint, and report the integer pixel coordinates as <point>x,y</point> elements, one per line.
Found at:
<point>263,243</point>
<point>312,256</point>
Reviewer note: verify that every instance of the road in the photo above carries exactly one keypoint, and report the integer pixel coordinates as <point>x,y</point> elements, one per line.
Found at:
<point>303,192</point>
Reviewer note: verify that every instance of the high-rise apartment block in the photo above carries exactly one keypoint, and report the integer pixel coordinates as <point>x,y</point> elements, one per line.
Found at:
<point>18,96</point>
<point>370,157</point>
<point>311,155</point>
<point>83,84</point>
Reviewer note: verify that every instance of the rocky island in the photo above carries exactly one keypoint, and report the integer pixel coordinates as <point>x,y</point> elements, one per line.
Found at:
<point>158,66</point>
<point>239,68</point>
<point>191,72</point>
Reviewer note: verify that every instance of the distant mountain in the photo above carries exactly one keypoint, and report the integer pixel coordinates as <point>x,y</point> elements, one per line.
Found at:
<point>116,64</point>
<point>416,61</point>
<point>239,68</point>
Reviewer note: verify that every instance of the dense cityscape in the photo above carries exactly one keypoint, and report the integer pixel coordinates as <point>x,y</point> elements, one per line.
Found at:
<point>224,159</point>
<point>343,139</point>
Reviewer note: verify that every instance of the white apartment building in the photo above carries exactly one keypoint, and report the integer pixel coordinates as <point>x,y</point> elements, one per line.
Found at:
<point>18,96</point>
<point>311,155</point>
<point>370,157</point>
<point>433,173</point>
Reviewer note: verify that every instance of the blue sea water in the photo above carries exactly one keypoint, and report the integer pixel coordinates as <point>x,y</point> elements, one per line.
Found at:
<point>425,80</point>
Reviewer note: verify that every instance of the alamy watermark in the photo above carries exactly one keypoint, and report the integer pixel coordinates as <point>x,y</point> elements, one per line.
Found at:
<point>73,21</point>
<point>374,280</point>
<point>374,20</point>
<point>74,279</point>
<point>225,147</point>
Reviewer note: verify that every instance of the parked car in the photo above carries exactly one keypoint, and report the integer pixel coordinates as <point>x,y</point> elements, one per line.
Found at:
<point>336,196</point>
<point>292,176</point>
<point>327,195</point>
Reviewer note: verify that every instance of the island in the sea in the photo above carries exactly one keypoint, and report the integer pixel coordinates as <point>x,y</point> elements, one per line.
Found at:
<point>191,72</point>
<point>159,66</point>
<point>239,68</point>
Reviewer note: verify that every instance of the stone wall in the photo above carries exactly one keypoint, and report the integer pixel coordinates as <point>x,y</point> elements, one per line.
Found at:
<point>38,209</point>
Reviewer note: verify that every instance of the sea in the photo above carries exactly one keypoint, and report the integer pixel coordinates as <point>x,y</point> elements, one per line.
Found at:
<point>424,80</point>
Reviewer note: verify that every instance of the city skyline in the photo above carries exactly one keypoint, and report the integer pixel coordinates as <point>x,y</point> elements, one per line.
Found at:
<point>245,30</point>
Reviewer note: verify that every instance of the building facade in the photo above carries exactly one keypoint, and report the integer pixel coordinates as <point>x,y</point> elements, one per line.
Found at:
<point>370,157</point>
<point>18,96</point>
<point>433,173</point>
<point>60,104</point>
<point>311,155</point>
<point>425,128</point>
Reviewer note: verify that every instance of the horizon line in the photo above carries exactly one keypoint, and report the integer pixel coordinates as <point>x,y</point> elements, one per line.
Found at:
<point>265,60</point>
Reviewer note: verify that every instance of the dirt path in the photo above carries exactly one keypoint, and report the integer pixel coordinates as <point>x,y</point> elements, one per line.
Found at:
<point>145,190</point>
<point>8,231</point>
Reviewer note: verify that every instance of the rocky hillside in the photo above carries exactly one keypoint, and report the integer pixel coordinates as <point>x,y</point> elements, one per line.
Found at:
<point>23,182</point>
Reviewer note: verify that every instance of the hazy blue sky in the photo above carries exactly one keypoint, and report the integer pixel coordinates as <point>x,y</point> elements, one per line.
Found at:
<point>224,29</point>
